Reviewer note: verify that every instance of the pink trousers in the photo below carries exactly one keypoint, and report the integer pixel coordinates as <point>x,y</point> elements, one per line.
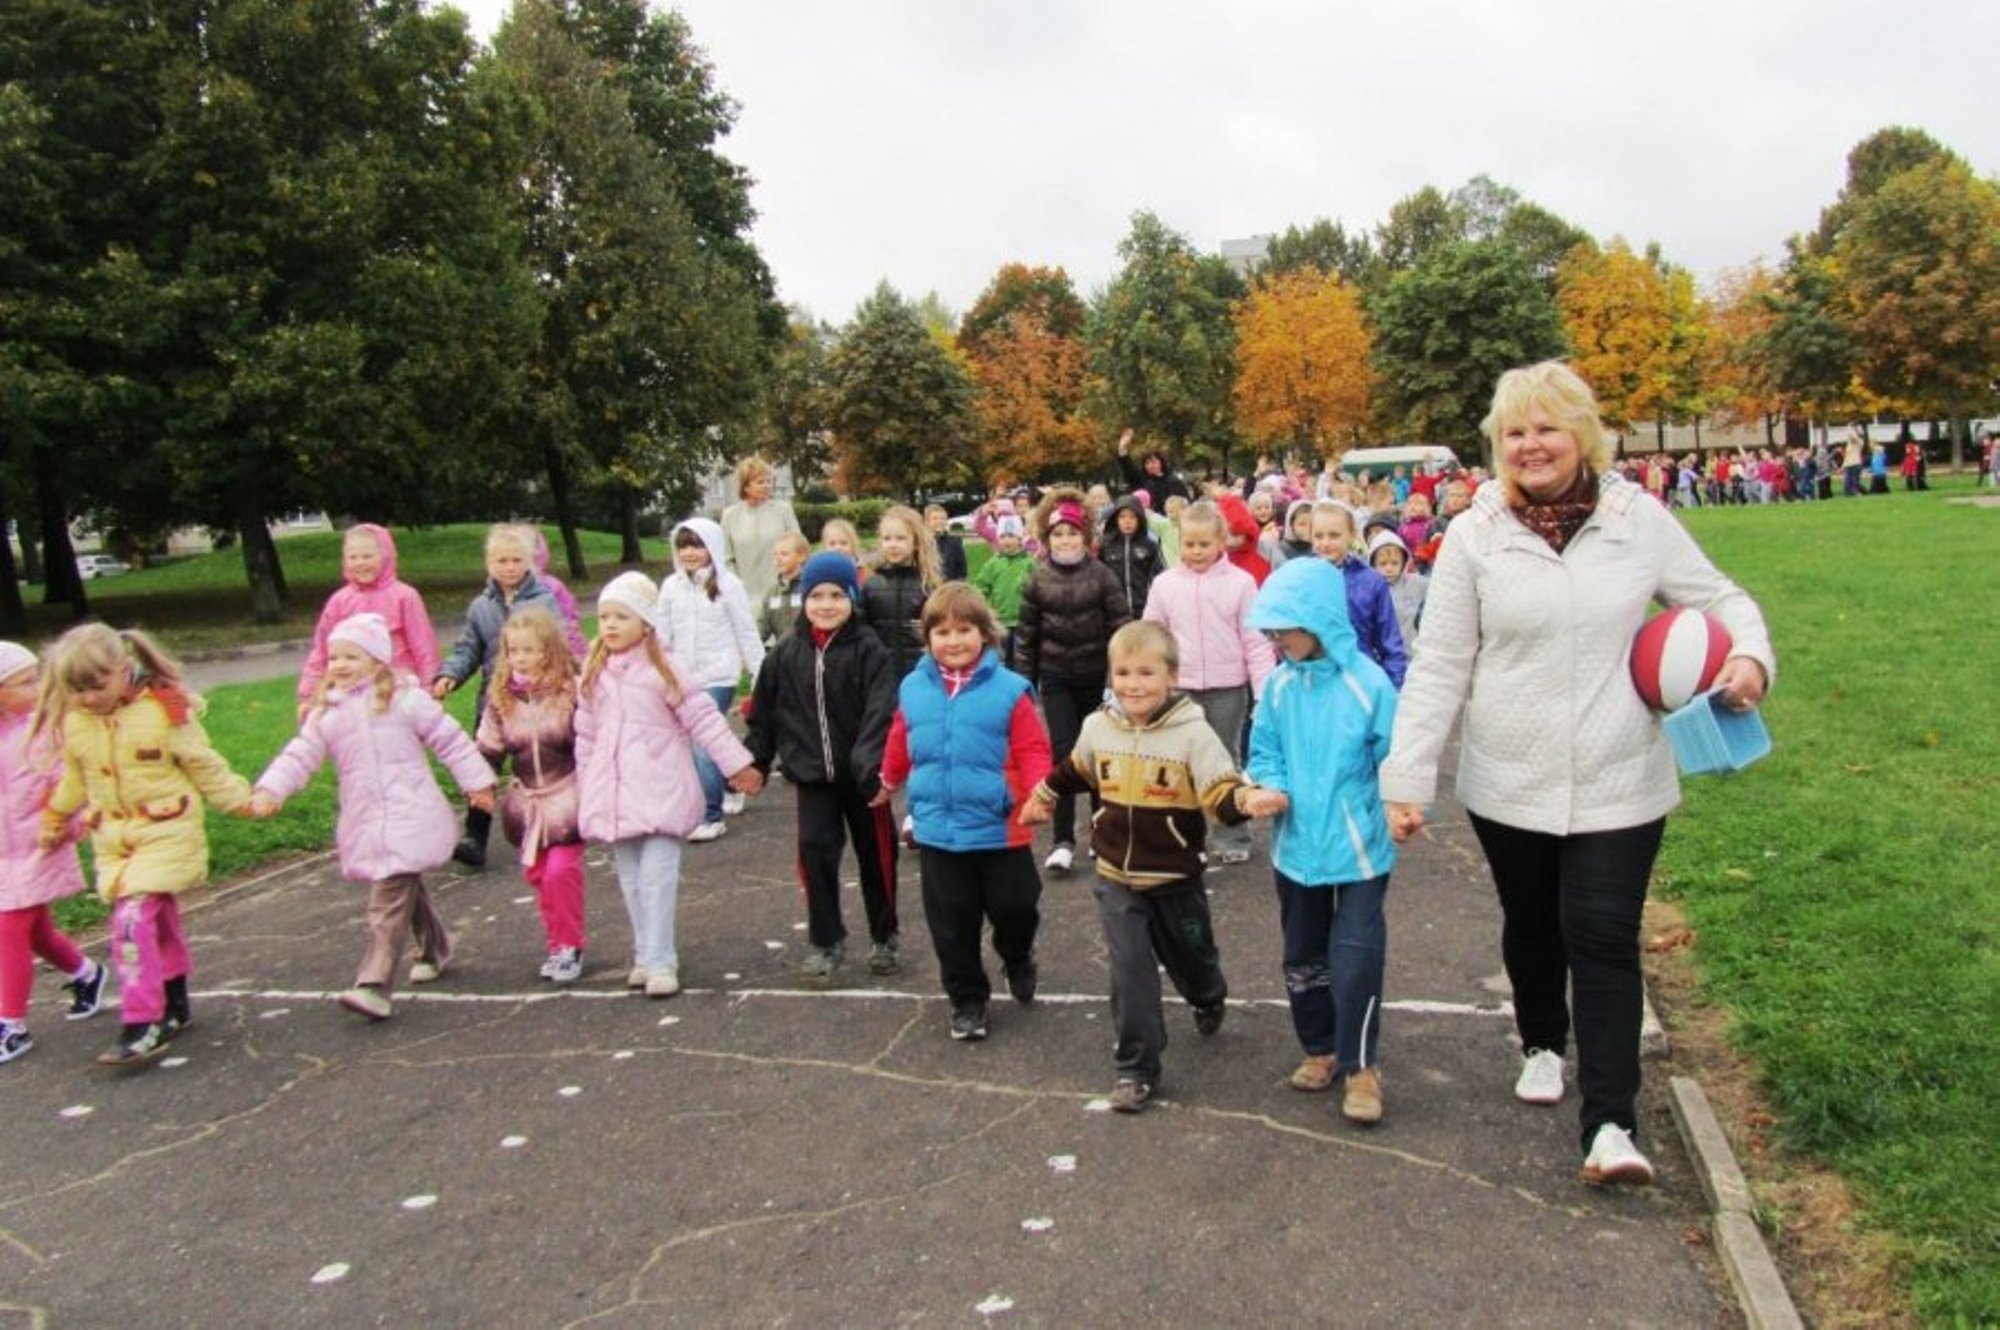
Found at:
<point>147,949</point>
<point>25,934</point>
<point>557,877</point>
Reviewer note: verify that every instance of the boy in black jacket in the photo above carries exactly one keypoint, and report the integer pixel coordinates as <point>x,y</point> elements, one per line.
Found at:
<point>823,703</point>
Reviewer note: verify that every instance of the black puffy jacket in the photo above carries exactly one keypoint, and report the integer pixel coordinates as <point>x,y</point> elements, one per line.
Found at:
<point>892,603</point>
<point>825,711</point>
<point>1068,614</point>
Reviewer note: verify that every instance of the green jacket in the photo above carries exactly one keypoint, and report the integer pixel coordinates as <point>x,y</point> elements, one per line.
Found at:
<point>1002,579</point>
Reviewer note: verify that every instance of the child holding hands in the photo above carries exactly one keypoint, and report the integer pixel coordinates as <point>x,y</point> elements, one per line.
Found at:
<point>134,752</point>
<point>823,703</point>
<point>530,721</point>
<point>380,727</point>
<point>967,741</point>
<point>1322,729</point>
<point>639,718</point>
<point>31,878</point>
<point>1159,769</point>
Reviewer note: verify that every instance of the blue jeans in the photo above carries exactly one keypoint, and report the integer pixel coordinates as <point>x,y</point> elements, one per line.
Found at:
<point>1335,942</point>
<point>710,775</point>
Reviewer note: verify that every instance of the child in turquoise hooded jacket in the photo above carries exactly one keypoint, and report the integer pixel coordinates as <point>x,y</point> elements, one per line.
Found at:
<point>1320,732</point>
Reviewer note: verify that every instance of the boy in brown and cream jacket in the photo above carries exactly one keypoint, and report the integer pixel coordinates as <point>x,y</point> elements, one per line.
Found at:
<point>1161,773</point>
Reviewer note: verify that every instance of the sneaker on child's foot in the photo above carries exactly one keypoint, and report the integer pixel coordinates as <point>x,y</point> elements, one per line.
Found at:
<point>1059,860</point>
<point>663,983</point>
<point>1021,980</point>
<point>1541,1080</point>
<point>137,1045</point>
<point>565,965</point>
<point>733,804</point>
<point>709,831</point>
<point>14,1041</point>
<point>86,993</point>
<point>426,972</point>
<point>1361,1099</point>
<point>636,977</point>
<point>1613,1158</point>
<point>968,1020</point>
<point>821,962</point>
<point>180,1015</point>
<point>367,1000</point>
<point>1314,1073</point>
<point>1233,854</point>
<point>908,834</point>
<point>885,957</point>
<point>1130,1096</point>
<point>1207,1020</point>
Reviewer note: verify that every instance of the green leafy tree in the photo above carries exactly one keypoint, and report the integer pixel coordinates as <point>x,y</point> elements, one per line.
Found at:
<point>1810,348</point>
<point>1162,346</point>
<point>1046,295</point>
<point>649,338</point>
<point>791,427</point>
<point>1445,332</point>
<point>1543,239</point>
<point>1417,227</point>
<point>1919,260</point>
<point>899,403</point>
<point>1327,248</point>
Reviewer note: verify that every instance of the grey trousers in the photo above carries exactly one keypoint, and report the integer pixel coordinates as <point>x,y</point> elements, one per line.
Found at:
<point>1227,709</point>
<point>1144,930</point>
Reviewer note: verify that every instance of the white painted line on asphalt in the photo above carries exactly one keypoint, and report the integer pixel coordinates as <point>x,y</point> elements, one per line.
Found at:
<point>1414,1006</point>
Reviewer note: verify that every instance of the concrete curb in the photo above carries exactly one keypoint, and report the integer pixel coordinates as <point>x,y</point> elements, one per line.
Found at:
<point>1752,1273</point>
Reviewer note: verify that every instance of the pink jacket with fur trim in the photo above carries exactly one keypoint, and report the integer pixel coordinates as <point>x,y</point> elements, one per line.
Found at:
<point>635,750</point>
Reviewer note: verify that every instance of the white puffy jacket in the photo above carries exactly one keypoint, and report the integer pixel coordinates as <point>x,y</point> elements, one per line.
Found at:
<point>1532,647</point>
<point>715,639</point>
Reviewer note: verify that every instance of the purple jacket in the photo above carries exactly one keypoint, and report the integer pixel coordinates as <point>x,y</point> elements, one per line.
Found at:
<point>635,750</point>
<point>393,817</point>
<point>27,876</point>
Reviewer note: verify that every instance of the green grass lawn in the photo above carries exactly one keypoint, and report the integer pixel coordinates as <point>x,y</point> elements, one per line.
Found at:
<point>1845,890</point>
<point>202,602</point>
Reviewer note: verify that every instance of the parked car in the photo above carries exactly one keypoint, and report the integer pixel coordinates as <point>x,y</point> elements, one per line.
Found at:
<point>89,566</point>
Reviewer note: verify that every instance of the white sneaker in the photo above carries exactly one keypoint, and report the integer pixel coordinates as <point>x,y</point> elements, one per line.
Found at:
<point>636,977</point>
<point>663,983</point>
<point>708,831</point>
<point>565,966</point>
<point>1613,1158</point>
<point>1059,860</point>
<point>733,804</point>
<point>426,972</point>
<point>1234,854</point>
<point>1541,1078</point>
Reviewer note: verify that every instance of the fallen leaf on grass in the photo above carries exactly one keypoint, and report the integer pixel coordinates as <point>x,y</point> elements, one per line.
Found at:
<point>1737,874</point>
<point>1678,938</point>
<point>1759,1120</point>
<point>1858,768</point>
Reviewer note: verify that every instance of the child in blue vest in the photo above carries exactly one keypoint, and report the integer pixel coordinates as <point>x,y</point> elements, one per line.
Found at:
<point>969,746</point>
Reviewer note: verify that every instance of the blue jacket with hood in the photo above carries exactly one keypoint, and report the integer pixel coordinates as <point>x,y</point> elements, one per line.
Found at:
<point>1320,732</point>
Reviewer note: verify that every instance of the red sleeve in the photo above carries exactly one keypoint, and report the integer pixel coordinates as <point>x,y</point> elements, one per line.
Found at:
<point>1028,744</point>
<point>896,754</point>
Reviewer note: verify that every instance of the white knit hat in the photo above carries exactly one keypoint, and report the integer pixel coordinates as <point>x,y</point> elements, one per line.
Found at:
<point>368,631</point>
<point>14,658</point>
<point>635,592</point>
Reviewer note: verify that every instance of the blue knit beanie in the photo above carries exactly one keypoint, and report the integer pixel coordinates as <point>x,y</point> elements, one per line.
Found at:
<point>829,566</point>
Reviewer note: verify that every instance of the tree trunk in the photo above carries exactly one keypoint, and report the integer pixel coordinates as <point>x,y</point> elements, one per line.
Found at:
<point>31,553</point>
<point>61,584</point>
<point>1697,434</point>
<point>1957,439</point>
<point>1770,430</point>
<point>565,520</point>
<point>13,613</point>
<point>260,564</point>
<point>630,551</point>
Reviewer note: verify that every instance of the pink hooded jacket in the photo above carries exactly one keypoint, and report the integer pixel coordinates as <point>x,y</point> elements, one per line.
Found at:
<point>565,599</point>
<point>410,631</point>
<point>27,876</point>
<point>1208,612</point>
<point>635,754</point>
<point>393,817</point>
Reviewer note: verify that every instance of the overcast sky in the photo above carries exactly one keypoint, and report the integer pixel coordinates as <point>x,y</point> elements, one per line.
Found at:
<point>930,141</point>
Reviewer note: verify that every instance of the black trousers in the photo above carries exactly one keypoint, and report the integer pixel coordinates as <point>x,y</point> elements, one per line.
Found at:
<point>963,890</point>
<point>1571,906</point>
<point>829,813</point>
<point>1066,703</point>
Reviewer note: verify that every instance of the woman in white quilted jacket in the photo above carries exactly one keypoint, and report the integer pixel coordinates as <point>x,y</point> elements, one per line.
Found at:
<point>1568,779</point>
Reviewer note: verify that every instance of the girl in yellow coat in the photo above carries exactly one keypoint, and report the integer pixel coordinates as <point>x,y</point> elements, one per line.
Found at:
<point>136,760</point>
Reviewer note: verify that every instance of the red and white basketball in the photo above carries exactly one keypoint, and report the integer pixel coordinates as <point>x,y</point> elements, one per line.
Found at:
<point>1675,657</point>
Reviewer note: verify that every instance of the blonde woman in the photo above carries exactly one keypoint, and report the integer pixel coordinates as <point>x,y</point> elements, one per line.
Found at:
<point>751,527</point>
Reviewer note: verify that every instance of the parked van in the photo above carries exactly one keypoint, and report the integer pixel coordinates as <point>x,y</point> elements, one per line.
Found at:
<point>1412,457</point>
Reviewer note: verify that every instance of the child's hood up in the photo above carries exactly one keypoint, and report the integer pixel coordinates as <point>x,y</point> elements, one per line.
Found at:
<point>384,542</point>
<point>1309,594</point>
<point>1125,503</point>
<point>1240,520</point>
<point>711,539</point>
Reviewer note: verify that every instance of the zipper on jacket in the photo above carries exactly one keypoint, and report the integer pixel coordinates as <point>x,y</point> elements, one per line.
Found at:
<point>819,699</point>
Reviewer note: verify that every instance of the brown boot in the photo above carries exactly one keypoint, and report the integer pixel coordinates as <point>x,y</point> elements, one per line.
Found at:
<point>1314,1074</point>
<point>1361,1101</point>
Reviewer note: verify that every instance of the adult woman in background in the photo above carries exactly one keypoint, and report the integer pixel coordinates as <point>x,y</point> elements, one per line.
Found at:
<point>1568,778</point>
<point>751,527</point>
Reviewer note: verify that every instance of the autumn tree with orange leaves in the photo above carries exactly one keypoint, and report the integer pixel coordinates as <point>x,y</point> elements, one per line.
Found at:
<point>1303,377</point>
<point>1738,367</point>
<point>1636,330</point>
<point>1023,342</point>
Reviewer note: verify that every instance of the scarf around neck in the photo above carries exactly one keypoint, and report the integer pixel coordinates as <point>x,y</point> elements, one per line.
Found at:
<point>1557,520</point>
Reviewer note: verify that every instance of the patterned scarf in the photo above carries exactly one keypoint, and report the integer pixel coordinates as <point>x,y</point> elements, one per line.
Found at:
<point>1558,520</point>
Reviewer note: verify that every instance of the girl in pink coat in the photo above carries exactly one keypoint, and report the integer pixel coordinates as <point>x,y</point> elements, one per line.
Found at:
<point>565,598</point>
<point>639,718</point>
<point>379,727</point>
<point>368,562</point>
<point>30,878</point>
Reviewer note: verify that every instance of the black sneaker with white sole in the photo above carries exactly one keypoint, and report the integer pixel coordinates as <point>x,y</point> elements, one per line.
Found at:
<point>86,995</point>
<point>968,1020</point>
<point>137,1045</point>
<point>14,1041</point>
